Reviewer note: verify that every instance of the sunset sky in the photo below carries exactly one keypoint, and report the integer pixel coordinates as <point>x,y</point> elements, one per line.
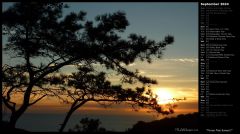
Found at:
<point>176,72</point>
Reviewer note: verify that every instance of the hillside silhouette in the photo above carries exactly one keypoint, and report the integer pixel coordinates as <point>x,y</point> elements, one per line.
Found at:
<point>170,125</point>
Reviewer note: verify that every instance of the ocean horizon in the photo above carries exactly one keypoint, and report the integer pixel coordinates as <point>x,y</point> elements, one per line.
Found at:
<point>118,120</point>
<point>50,122</point>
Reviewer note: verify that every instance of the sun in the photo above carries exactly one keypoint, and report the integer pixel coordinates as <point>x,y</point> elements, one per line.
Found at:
<point>164,96</point>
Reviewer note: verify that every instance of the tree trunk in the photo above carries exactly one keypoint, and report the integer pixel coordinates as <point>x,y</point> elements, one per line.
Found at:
<point>63,125</point>
<point>13,120</point>
<point>73,108</point>
<point>16,115</point>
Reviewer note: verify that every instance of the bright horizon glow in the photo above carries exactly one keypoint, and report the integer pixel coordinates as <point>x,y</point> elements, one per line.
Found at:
<point>164,95</point>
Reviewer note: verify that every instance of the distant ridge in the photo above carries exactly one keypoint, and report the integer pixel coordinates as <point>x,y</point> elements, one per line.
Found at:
<point>187,122</point>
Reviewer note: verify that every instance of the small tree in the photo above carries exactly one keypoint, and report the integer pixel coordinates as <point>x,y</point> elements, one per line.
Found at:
<point>38,30</point>
<point>89,85</point>
<point>88,125</point>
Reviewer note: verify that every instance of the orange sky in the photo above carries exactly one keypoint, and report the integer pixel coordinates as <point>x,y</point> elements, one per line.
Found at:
<point>177,77</point>
<point>50,105</point>
<point>179,82</point>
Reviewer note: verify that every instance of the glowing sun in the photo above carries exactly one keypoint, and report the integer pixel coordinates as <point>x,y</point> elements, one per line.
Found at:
<point>164,96</point>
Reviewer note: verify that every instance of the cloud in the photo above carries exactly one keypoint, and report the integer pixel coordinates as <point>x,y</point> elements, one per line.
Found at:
<point>141,72</point>
<point>130,65</point>
<point>192,60</point>
<point>182,80</point>
<point>160,76</point>
<point>52,65</point>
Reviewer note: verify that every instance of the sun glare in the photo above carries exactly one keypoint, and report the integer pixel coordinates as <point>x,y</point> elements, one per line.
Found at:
<point>164,96</point>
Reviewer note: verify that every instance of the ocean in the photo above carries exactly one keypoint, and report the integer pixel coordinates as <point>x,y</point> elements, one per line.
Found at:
<point>49,122</point>
<point>117,119</point>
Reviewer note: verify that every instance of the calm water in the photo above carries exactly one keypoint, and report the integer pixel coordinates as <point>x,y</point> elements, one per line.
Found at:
<point>49,122</point>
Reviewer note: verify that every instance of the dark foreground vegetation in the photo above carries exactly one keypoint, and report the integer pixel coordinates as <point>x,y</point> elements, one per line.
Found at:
<point>188,122</point>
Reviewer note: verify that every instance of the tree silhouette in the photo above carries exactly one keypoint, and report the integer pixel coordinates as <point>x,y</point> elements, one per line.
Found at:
<point>88,125</point>
<point>89,85</point>
<point>38,30</point>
